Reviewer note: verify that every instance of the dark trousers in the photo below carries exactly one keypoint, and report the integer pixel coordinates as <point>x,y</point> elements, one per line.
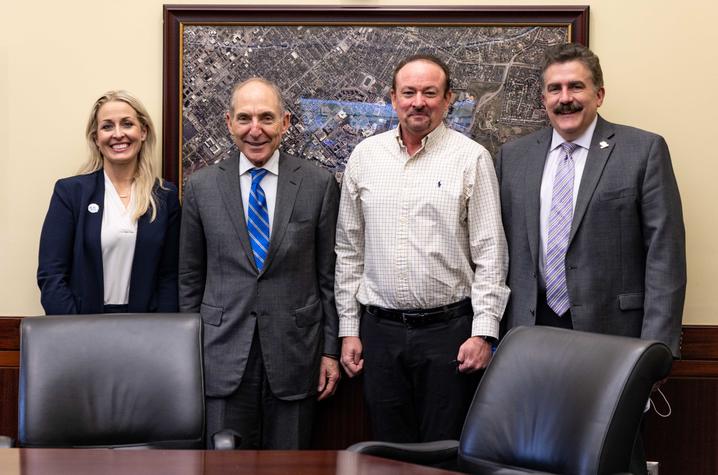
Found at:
<point>548,318</point>
<point>263,421</point>
<point>412,388</point>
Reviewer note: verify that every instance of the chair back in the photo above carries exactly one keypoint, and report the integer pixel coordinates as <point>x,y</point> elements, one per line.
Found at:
<point>113,380</point>
<point>561,401</point>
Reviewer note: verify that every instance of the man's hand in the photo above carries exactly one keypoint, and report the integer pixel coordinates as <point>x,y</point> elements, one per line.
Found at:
<point>351,359</point>
<point>329,376</point>
<point>474,355</point>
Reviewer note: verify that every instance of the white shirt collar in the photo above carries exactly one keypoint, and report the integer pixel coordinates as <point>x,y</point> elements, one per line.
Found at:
<point>584,140</point>
<point>429,138</point>
<point>272,165</point>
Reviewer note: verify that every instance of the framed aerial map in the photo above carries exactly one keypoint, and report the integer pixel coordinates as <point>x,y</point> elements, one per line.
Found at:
<point>334,66</point>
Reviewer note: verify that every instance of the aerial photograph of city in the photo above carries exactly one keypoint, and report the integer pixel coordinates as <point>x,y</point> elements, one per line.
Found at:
<point>336,82</point>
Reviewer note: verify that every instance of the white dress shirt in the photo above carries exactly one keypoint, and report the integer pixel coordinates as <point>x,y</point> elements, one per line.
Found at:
<point>549,174</point>
<point>117,238</point>
<point>268,184</point>
<point>420,232</point>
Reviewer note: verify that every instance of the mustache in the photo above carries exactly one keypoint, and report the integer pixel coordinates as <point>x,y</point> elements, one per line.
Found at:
<point>567,108</point>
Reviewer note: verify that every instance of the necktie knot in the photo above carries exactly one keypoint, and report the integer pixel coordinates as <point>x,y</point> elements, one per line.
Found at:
<point>568,148</point>
<point>257,174</point>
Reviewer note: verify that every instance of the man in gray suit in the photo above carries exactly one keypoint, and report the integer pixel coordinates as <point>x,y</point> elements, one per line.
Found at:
<point>595,227</point>
<point>257,261</point>
<point>592,217</point>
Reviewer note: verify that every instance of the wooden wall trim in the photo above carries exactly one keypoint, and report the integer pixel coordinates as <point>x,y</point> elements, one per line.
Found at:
<point>699,353</point>
<point>9,359</point>
<point>10,333</point>
<point>694,369</point>
<point>699,342</point>
<point>699,348</point>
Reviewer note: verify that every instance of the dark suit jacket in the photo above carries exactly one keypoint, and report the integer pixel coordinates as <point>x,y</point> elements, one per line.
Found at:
<point>70,266</point>
<point>626,262</point>
<point>290,303</point>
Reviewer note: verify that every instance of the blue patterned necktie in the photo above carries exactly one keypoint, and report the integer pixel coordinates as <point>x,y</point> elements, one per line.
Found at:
<point>258,218</point>
<point>559,230</point>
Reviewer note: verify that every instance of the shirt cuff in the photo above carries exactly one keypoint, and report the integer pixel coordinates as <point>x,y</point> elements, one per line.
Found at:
<point>348,326</point>
<point>485,326</point>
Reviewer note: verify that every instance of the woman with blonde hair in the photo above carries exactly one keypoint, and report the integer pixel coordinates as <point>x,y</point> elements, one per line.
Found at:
<point>110,238</point>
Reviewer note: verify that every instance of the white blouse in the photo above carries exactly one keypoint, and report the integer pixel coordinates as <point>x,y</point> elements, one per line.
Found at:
<point>118,236</point>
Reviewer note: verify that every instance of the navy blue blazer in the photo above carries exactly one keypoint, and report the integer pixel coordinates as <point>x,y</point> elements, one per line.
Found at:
<point>70,264</point>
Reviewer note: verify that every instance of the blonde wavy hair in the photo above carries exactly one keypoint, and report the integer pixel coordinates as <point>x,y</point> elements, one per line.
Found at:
<point>146,175</point>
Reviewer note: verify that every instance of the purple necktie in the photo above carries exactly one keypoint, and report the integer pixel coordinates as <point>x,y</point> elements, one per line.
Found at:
<point>559,230</point>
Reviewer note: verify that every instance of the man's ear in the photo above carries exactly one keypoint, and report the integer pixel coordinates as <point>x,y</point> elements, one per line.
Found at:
<point>600,95</point>
<point>228,120</point>
<point>286,121</point>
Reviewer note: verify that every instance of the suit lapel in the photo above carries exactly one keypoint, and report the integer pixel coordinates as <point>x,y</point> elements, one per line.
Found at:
<point>534,174</point>
<point>287,187</point>
<point>228,183</point>
<point>601,148</point>
<point>93,236</point>
<point>140,257</point>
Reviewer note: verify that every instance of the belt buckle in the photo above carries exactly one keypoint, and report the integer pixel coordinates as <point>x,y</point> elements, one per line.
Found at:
<point>407,317</point>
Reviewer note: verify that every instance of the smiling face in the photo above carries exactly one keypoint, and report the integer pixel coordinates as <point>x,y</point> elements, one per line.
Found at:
<point>256,121</point>
<point>571,98</point>
<point>420,98</point>
<point>120,134</point>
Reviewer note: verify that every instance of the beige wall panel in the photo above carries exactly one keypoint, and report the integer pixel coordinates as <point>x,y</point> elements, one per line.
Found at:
<point>659,61</point>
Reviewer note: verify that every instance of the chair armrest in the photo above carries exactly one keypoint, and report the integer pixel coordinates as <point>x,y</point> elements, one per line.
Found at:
<point>423,453</point>
<point>5,442</point>
<point>226,439</point>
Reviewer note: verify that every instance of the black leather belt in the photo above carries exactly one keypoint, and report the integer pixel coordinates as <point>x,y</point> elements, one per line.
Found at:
<point>419,318</point>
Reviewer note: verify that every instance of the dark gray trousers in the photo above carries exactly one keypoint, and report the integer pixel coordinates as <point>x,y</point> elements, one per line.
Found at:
<point>263,421</point>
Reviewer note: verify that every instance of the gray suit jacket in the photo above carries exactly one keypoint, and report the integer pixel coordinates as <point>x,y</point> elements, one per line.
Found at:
<point>626,262</point>
<point>290,303</point>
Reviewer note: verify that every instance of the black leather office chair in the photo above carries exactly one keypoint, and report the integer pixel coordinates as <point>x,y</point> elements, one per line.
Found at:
<point>551,401</point>
<point>123,380</point>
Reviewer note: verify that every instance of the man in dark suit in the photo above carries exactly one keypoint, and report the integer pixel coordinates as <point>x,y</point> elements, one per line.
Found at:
<point>257,261</point>
<point>615,261</point>
<point>592,217</point>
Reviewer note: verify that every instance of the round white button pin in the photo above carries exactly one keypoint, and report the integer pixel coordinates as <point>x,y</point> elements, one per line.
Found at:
<point>93,208</point>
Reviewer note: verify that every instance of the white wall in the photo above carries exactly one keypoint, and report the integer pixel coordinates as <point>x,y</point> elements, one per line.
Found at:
<point>659,60</point>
